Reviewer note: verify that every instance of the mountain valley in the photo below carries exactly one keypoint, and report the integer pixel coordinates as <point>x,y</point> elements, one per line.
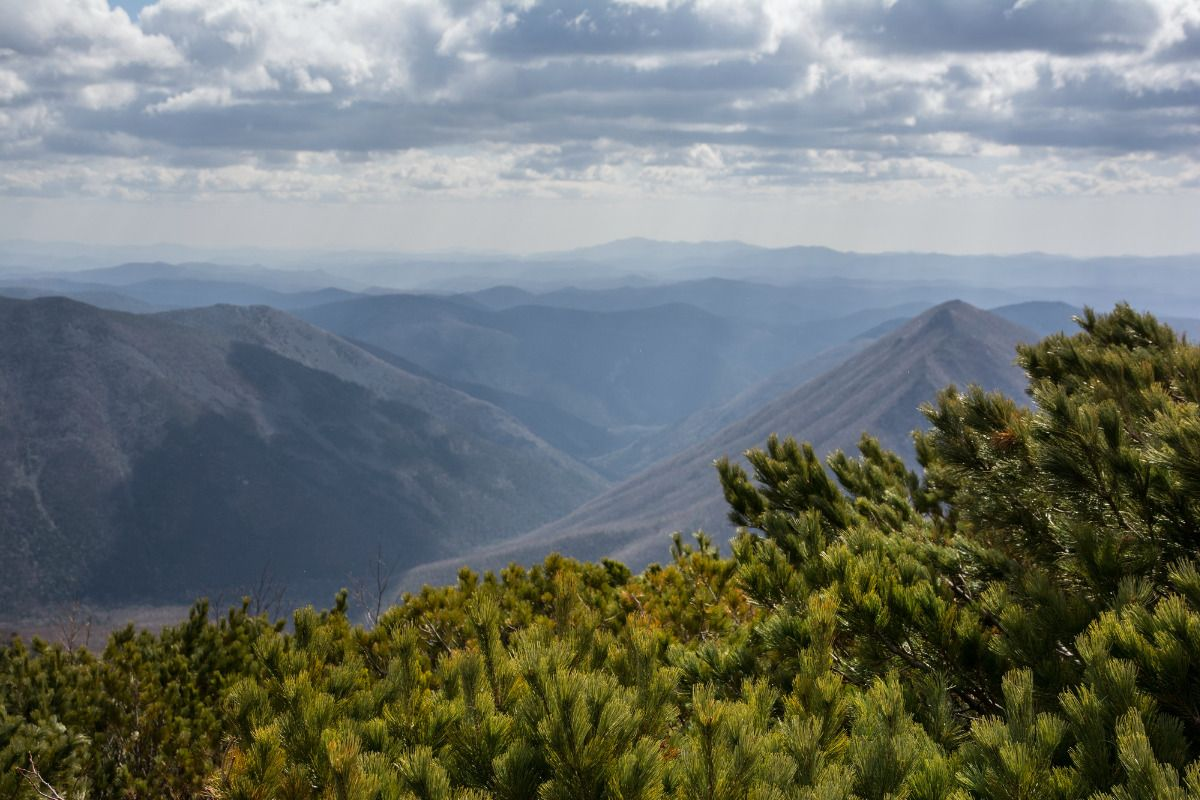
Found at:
<point>879,389</point>
<point>140,451</point>
<point>321,424</point>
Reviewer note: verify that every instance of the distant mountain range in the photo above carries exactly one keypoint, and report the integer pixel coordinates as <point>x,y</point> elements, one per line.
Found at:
<point>829,309</point>
<point>1045,318</point>
<point>624,373</point>
<point>878,390</point>
<point>150,288</point>
<point>155,446</point>
<point>158,457</point>
<point>1169,284</point>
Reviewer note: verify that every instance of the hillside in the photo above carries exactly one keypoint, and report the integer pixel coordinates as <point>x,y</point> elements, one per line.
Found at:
<point>814,304</point>
<point>1030,636</point>
<point>629,372</point>
<point>192,293</point>
<point>1041,317</point>
<point>101,297</point>
<point>158,294</point>
<point>879,389</point>
<point>1045,318</point>
<point>707,422</point>
<point>138,452</point>
<point>557,427</point>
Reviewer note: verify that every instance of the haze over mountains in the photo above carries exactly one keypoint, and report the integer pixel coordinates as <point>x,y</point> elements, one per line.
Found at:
<point>616,375</point>
<point>878,390</point>
<point>310,417</point>
<point>1169,284</point>
<point>140,453</point>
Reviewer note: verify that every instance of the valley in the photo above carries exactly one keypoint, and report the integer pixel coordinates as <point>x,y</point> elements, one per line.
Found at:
<point>161,417</point>
<point>616,400</point>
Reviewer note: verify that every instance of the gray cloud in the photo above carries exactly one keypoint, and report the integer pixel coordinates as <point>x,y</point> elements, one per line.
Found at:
<point>574,28</point>
<point>487,98</point>
<point>1186,49</point>
<point>1069,27</point>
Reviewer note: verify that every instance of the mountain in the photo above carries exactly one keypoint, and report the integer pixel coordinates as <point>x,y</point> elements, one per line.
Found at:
<point>697,427</point>
<point>810,303</point>
<point>470,273</point>
<point>706,422</point>
<point>628,372</point>
<point>1041,317</point>
<point>281,280</point>
<point>878,390</point>
<point>174,292</point>
<point>803,263</point>
<point>654,252</point>
<point>558,428</point>
<point>158,457</point>
<point>1168,284</point>
<point>1045,318</point>
<point>194,293</point>
<point>100,297</point>
<point>498,297</point>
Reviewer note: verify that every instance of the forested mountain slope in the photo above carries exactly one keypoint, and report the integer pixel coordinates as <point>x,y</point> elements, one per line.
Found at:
<point>707,422</point>
<point>878,390</point>
<point>101,297</point>
<point>626,371</point>
<point>1021,621</point>
<point>747,300</point>
<point>165,456</point>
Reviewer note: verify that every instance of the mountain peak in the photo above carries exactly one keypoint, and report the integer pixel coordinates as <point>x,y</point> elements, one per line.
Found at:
<point>165,442</point>
<point>229,311</point>
<point>951,312</point>
<point>878,390</point>
<point>956,318</point>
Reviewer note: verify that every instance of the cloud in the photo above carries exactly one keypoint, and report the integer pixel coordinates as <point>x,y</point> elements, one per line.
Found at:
<point>193,99</point>
<point>107,94</point>
<point>377,98</point>
<point>11,86</point>
<point>1069,27</point>
<point>87,35</point>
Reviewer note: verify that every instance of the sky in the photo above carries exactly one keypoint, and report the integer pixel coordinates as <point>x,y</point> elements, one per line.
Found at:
<point>1067,126</point>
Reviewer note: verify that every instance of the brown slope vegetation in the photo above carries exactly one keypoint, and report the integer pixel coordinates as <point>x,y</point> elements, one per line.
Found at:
<point>878,390</point>
<point>158,457</point>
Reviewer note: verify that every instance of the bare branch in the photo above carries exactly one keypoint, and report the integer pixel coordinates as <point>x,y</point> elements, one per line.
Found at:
<point>267,595</point>
<point>371,594</point>
<point>74,625</point>
<point>40,785</point>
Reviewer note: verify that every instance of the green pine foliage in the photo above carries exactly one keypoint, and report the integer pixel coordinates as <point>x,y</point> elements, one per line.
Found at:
<point>1019,619</point>
<point>144,718</point>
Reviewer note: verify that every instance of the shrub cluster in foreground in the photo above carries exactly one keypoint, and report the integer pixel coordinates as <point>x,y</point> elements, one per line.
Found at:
<point>1019,620</point>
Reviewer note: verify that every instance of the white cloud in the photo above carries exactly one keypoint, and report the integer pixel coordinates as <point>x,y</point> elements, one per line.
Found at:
<point>108,95</point>
<point>86,34</point>
<point>377,99</point>
<point>11,86</point>
<point>198,98</point>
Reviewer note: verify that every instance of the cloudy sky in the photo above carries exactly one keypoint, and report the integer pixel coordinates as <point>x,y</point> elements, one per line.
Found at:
<point>957,125</point>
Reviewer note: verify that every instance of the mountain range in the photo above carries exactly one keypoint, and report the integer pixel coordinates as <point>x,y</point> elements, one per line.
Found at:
<point>616,374</point>
<point>880,390</point>
<point>1167,284</point>
<point>311,423</point>
<point>158,457</point>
